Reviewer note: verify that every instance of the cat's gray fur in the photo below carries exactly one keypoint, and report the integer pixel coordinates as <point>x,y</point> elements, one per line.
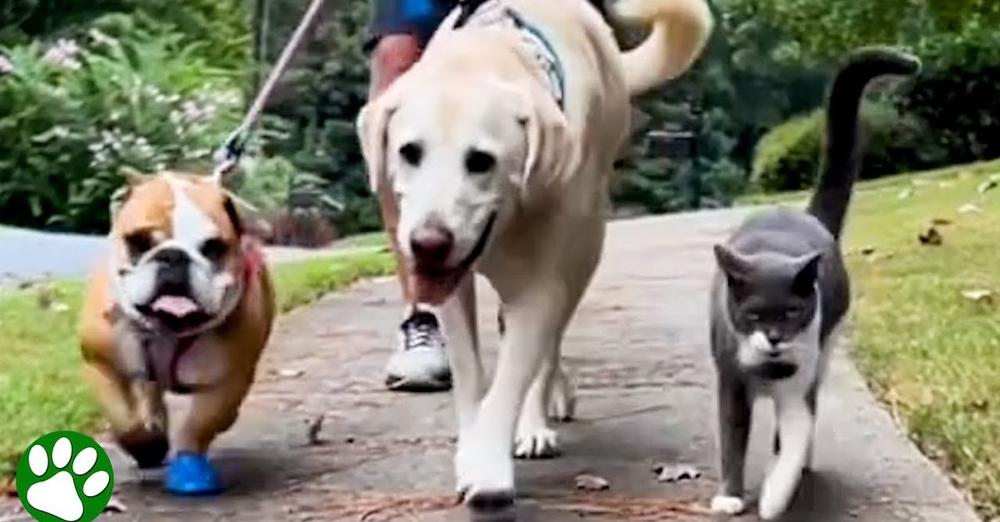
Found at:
<point>780,291</point>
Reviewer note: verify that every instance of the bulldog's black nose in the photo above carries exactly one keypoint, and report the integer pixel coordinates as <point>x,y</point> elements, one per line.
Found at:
<point>172,275</point>
<point>172,256</point>
<point>431,245</point>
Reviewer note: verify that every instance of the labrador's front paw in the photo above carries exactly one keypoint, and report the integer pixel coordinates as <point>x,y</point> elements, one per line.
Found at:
<point>484,474</point>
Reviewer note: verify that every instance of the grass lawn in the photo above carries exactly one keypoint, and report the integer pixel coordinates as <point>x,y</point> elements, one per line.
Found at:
<point>40,374</point>
<point>931,353</point>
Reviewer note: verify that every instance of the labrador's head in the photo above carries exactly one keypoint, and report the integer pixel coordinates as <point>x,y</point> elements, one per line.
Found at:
<point>460,159</point>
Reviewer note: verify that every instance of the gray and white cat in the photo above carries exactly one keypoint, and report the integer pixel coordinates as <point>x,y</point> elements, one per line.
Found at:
<point>780,291</point>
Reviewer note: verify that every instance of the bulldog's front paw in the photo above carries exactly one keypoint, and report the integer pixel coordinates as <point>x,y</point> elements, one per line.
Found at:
<point>536,442</point>
<point>727,505</point>
<point>484,475</point>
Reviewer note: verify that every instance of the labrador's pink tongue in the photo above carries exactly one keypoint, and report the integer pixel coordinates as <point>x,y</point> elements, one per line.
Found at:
<point>175,305</point>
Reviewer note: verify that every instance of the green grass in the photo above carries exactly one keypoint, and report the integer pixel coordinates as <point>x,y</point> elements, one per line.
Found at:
<point>40,382</point>
<point>897,182</point>
<point>931,354</point>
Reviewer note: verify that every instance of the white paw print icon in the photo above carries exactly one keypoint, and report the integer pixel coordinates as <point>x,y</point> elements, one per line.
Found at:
<point>73,490</point>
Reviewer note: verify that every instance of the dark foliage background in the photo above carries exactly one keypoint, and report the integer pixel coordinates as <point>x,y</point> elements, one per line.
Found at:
<point>173,79</point>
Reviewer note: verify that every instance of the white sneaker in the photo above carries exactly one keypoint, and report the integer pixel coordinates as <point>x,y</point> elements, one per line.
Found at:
<point>421,363</point>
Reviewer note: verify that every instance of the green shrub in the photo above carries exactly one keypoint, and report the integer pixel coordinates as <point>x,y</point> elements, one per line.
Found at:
<point>74,113</point>
<point>788,157</point>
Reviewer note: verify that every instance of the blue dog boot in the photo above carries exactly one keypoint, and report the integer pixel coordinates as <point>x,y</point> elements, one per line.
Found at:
<point>190,474</point>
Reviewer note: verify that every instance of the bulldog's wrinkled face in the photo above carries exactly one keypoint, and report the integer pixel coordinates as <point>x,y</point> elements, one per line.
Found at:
<point>455,162</point>
<point>177,263</point>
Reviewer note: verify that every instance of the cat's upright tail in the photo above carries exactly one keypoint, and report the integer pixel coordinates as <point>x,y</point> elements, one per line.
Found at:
<point>842,155</point>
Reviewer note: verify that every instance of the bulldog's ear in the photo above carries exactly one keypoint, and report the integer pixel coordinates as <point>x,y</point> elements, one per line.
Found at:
<point>133,178</point>
<point>234,216</point>
<point>551,152</point>
<point>373,132</point>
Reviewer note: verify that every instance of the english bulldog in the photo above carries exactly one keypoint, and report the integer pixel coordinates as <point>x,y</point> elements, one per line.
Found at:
<point>182,303</point>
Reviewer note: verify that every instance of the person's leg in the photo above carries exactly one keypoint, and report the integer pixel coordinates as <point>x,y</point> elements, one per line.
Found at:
<point>401,28</point>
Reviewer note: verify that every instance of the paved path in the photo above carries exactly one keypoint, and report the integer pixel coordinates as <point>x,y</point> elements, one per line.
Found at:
<point>639,351</point>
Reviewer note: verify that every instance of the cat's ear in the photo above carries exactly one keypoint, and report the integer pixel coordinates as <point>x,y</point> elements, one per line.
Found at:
<point>735,267</point>
<point>807,273</point>
<point>732,263</point>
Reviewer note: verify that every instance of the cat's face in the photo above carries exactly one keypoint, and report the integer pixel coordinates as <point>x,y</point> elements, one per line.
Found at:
<point>772,304</point>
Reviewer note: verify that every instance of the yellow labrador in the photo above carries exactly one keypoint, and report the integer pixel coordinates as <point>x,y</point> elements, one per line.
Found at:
<point>499,146</point>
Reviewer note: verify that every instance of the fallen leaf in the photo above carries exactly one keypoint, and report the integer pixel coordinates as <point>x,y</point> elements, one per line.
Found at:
<point>988,185</point>
<point>314,429</point>
<point>676,472</point>
<point>945,184</point>
<point>941,221</point>
<point>905,193</point>
<point>867,251</point>
<point>931,238</point>
<point>592,483</point>
<point>59,307</point>
<point>115,505</point>
<point>969,208</point>
<point>978,295</point>
<point>291,374</point>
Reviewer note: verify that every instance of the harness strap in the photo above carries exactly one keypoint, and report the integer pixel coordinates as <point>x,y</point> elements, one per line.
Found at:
<point>532,36</point>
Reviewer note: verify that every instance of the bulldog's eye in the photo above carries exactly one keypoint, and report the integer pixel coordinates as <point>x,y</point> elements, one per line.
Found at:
<point>138,243</point>
<point>214,249</point>
<point>412,154</point>
<point>479,162</point>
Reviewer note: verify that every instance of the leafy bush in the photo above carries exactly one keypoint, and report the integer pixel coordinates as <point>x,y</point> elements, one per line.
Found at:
<point>76,112</point>
<point>961,106</point>
<point>788,157</point>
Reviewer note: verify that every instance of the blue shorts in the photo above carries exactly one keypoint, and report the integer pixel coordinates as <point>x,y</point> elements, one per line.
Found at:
<point>419,18</point>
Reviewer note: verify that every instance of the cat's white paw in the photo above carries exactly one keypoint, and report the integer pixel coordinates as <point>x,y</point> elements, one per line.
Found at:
<point>726,505</point>
<point>562,403</point>
<point>536,443</point>
<point>771,505</point>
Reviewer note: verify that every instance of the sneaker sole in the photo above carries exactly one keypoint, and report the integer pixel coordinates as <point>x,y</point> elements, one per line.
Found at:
<point>394,383</point>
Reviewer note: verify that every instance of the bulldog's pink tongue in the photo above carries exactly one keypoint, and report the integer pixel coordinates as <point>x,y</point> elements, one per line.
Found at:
<point>175,305</point>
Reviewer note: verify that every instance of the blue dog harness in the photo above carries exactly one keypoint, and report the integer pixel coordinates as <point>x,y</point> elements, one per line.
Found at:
<point>483,13</point>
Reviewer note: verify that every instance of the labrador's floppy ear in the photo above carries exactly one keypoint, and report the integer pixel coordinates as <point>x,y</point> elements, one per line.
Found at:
<point>373,132</point>
<point>551,155</point>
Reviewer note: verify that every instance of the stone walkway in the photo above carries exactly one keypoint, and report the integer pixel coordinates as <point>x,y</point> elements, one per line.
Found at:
<point>638,349</point>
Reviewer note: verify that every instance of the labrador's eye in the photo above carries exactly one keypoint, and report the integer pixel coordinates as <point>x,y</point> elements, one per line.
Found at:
<point>412,154</point>
<point>479,162</point>
<point>214,249</point>
<point>138,243</point>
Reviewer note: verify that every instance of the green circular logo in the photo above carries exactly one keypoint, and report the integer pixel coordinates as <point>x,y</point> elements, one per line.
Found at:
<point>65,476</point>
